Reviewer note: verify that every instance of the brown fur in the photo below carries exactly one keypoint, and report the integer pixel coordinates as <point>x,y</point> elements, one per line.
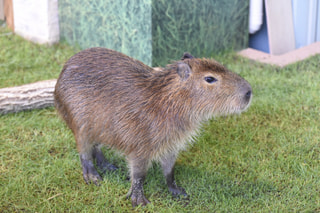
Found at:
<point>108,98</point>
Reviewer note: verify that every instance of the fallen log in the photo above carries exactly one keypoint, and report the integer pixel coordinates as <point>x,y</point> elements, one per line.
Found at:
<point>30,96</point>
<point>37,95</point>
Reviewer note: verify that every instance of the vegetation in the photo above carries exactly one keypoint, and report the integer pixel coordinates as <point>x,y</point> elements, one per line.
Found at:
<point>122,25</point>
<point>156,31</point>
<point>179,27</point>
<point>23,62</point>
<point>265,160</point>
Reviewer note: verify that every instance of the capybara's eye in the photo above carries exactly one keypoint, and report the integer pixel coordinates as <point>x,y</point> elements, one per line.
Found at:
<point>210,79</point>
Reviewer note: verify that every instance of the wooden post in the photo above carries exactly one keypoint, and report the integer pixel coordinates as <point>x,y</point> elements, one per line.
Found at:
<point>8,13</point>
<point>1,10</point>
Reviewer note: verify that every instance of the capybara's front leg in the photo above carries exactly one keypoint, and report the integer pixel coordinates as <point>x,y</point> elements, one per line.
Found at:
<point>167,164</point>
<point>138,174</point>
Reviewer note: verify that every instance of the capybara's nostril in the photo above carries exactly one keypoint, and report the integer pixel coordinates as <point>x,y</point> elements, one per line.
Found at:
<point>248,94</point>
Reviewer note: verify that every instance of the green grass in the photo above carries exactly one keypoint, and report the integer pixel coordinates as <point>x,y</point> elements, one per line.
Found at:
<point>265,160</point>
<point>23,62</point>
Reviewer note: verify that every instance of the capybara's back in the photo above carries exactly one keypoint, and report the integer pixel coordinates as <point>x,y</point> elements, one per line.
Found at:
<point>111,99</point>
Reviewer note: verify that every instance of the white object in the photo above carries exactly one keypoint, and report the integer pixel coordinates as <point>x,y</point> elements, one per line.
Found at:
<point>37,20</point>
<point>255,15</point>
<point>280,26</point>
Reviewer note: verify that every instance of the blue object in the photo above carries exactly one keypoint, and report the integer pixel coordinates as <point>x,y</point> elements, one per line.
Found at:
<point>260,40</point>
<point>306,21</point>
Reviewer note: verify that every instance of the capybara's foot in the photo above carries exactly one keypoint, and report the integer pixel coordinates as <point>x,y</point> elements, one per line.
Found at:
<point>90,174</point>
<point>177,191</point>
<point>136,193</point>
<point>138,199</point>
<point>106,166</point>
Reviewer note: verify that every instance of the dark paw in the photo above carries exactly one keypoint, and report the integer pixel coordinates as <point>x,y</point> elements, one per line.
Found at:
<point>106,167</point>
<point>92,177</point>
<point>90,174</point>
<point>178,191</point>
<point>137,200</point>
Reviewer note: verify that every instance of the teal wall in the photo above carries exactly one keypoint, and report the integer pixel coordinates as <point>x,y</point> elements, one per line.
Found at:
<point>201,27</point>
<point>156,31</point>
<point>122,25</point>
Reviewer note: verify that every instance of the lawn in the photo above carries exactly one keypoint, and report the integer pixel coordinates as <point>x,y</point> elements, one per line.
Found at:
<point>265,160</point>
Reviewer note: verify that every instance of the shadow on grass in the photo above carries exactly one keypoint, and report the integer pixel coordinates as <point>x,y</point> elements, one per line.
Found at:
<point>208,189</point>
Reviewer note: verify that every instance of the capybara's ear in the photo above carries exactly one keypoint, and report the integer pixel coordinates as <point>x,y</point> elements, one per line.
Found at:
<point>183,71</point>
<point>187,56</point>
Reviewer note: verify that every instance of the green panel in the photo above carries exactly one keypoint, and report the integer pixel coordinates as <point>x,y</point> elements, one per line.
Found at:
<point>122,25</point>
<point>201,27</point>
<point>156,31</point>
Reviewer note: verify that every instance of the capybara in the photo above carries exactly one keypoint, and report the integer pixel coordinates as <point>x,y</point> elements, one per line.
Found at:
<point>108,98</point>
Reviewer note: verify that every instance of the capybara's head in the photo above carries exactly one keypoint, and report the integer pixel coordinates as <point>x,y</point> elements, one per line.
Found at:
<point>216,90</point>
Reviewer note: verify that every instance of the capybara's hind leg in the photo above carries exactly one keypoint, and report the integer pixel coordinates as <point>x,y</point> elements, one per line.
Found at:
<point>90,174</point>
<point>101,161</point>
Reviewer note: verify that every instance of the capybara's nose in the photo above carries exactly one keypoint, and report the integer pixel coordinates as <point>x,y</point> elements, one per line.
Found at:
<point>248,94</point>
<point>246,91</point>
